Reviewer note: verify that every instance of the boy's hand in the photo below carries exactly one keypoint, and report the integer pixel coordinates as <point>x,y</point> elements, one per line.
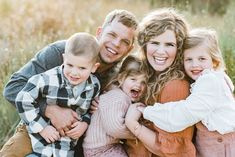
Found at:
<point>94,105</point>
<point>61,118</point>
<point>78,129</point>
<point>50,134</point>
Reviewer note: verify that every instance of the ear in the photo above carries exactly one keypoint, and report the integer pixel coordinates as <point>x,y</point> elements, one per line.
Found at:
<point>132,46</point>
<point>94,68</point>
<point>63,55</point>
<point>98,32</point>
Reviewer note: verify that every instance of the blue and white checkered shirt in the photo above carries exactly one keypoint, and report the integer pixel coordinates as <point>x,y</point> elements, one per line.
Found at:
<point>54,89</point>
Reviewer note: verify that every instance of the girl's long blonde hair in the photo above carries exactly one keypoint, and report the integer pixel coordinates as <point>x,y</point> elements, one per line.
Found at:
<point>152,25</point>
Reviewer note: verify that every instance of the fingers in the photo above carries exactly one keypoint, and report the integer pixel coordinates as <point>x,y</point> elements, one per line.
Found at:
<point>52,137</point>
<point>94,105</point>
<point>61,131</point>
<point>140,108</point>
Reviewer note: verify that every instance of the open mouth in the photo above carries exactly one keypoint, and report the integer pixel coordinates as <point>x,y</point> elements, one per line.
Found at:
<point>160,60</point>
<point>196,72</point>
<point>111,51</point>
<point>135,93</point>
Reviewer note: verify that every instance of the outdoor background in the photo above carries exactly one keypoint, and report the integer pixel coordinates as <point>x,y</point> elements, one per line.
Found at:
<point>26,26</point>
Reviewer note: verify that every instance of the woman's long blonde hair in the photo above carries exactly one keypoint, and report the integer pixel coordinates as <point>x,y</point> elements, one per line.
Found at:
<point>152,25</point>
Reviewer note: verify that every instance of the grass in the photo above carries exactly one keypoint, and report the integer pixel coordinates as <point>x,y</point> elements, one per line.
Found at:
<point>29,25</point>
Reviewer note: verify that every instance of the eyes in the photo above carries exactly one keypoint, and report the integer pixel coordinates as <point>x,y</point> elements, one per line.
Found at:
<point>71,66</point>
<point>133,79</point>
<point>199,59</point>
<point>167,44</point>
<point>125,42</point>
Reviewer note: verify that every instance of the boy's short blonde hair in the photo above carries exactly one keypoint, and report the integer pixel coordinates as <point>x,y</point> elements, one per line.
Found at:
<point>83,44</point>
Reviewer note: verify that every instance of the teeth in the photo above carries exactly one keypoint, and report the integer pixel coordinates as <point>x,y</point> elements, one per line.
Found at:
<point>160,60</point>
<point>112,51</point>
<point>196,71</point>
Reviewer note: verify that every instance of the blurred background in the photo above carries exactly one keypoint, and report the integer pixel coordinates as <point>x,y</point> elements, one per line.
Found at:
<point>29,25</point>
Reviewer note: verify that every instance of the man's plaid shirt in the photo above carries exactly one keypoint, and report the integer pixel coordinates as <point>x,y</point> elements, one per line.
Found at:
<point>53,88</point>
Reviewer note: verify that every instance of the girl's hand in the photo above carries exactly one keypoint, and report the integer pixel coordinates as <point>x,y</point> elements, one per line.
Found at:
<point>133,114</point>
<point>78,129</point>
<point>50,134</point>
<point>141,108</point>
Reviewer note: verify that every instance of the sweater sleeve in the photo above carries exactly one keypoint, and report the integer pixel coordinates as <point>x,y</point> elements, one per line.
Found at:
<point>176,116</point>
<point>113,108</point>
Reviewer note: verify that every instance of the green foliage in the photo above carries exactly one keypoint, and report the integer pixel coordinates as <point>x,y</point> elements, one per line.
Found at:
<point>27,26</point>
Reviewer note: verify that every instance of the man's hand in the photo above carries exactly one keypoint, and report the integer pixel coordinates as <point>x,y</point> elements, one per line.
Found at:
<point>50,134</point>
<point>94,105</point>
<point>61,118</point>
<point>78,129</point>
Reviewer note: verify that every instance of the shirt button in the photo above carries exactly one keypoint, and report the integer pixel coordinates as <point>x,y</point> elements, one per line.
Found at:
<point>219,139</point>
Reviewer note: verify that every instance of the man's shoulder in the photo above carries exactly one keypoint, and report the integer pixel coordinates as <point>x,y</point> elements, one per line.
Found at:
<point>60,45</point>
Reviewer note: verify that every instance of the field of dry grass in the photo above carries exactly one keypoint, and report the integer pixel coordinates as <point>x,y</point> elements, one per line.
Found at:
<point>29,25</point>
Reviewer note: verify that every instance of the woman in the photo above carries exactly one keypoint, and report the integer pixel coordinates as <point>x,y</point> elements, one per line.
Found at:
<point>161,38</point>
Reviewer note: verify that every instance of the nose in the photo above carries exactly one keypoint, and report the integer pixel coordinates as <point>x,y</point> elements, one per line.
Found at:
<point>75,72</point>
<point>194,63</point>
<point>138,84</point>
<point>160,49</point>
<point>116,42</point>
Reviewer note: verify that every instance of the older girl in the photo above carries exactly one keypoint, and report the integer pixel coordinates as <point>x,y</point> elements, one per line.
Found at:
<point>211,102</point>
<point>161,38</point>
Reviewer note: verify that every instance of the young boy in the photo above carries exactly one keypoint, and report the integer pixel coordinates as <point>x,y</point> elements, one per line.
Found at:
<point>69,85</point>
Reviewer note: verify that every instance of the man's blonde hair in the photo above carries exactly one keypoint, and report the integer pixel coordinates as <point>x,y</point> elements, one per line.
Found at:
<point>125,17</point>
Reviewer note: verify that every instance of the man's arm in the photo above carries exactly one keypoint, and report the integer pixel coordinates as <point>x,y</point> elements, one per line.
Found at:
<point>45,59</point>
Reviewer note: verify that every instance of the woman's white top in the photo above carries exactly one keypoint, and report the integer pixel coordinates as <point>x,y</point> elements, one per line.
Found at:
<point>211,101</point>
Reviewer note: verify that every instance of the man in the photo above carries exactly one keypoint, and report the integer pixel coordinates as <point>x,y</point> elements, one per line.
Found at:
<point>116,37</point>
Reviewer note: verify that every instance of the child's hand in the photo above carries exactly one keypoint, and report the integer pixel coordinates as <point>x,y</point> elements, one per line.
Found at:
<point>78,129</point>
<point>50,134</point>
<point>141,109</point>
<point>94,105</point>
<point>133,114</point>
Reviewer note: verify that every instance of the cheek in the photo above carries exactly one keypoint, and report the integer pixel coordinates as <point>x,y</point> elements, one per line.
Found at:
<point>172,52</point>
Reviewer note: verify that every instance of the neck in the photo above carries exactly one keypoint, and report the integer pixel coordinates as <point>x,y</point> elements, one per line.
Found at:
<point>104,67</point>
